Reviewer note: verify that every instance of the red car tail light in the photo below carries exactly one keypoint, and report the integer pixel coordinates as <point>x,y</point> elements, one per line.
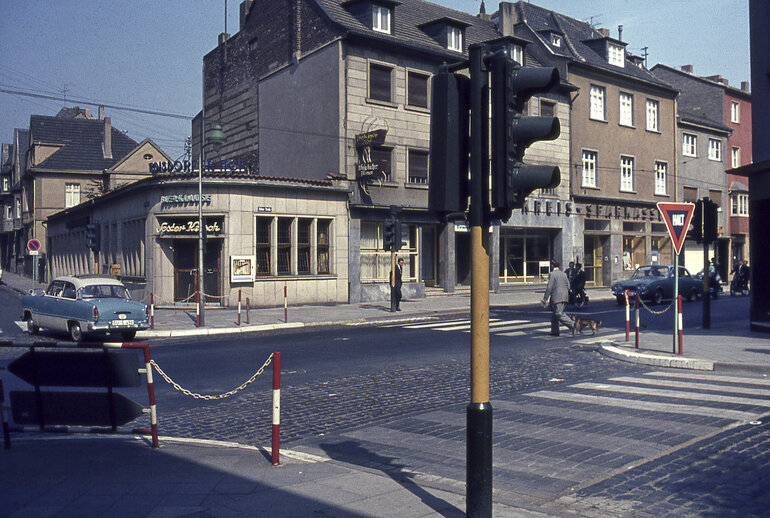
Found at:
<point>96,314</point>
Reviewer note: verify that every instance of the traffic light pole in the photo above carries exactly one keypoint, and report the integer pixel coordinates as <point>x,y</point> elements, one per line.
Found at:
<point>479,411</point>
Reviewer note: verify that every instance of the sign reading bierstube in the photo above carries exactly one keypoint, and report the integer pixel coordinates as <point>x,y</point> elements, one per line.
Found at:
<point>168,227</point>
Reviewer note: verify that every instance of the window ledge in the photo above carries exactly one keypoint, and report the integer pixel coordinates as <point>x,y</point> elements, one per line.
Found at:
<point>418,109</point>
<point>623,191</point>
<point>605,121</point>
<point>653,131</point>
<point>388,104</point>
<point>629,126</point>
<point>663,194</point>
<point>592,187</point>
<point>421,186</point>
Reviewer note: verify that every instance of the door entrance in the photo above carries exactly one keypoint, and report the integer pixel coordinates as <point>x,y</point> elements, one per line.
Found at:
<point>594,267</point>
<point>186,269</point>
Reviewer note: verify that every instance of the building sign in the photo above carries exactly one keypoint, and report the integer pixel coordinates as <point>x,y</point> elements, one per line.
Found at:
<point>230,165</point>
<point>242,268</point>
<point>364,143</point>
<point>188,227</point>
<point>183,199</point>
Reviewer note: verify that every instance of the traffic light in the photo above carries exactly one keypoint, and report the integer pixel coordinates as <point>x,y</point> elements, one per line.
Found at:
<point>710,220</point>
<point>448,188</point>
<point>389,236</point>
<point>697,222</point>
<point>512,132</point>
<point>92,236</point>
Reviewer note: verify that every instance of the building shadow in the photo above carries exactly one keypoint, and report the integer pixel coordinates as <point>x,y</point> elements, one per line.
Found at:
<point>353,452</point>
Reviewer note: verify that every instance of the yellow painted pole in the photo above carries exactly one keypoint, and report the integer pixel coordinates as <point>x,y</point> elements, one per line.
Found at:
<point>479,316</point>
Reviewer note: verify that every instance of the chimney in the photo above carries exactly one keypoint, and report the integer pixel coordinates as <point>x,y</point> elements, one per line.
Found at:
<point>223,37</point>
<point>718,79</point>
<point>745,86</point>
<point>687,69</point>
<point>605,32</point>
<point>620,33</point>
<point>508,18</point>
<point>101,113</point>
<point>107,148</point>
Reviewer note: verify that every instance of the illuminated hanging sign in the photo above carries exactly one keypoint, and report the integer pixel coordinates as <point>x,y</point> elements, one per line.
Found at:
<point>189,226</point>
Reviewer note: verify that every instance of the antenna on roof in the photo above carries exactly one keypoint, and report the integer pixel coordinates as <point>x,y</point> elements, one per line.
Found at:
<point>593,23</point>
<point>645,53</point>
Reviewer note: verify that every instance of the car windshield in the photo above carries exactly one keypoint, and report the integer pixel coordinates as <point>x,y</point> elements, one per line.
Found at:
<point>650,271</point>
<point>104,291</point>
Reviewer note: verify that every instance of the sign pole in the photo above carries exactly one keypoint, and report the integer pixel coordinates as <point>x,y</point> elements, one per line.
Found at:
<point>676,298</point>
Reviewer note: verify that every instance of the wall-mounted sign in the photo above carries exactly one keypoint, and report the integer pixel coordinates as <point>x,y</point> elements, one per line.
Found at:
<point>172,227</point>
<point>364,141</point>
<point>183,199</point>
<point>230,165</point>
<point>242,268</point>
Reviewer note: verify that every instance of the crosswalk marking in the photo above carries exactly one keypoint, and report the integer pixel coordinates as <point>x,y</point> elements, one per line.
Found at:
<point>695,385</point>
<point>710,377</point>
<point>646,391</point>
<point>675,408</point>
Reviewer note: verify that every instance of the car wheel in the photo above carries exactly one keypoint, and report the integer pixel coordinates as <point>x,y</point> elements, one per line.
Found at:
<point>692,296</point>
<point>657,297</point>
<point>128,335</point>
<point>32,327</point>
<point>75,333</point>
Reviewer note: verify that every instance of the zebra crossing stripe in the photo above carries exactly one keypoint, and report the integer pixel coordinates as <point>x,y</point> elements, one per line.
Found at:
<point>646,391</point>
<point>431,325</point>
<point>710,377</point>
<point>695,385</point>
<point>671,408</point>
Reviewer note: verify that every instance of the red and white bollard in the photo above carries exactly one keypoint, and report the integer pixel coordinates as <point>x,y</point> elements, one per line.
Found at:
<point>628,317</point>
<point>285,304</point>
<point>276,408</point>
<point>239,307</point>
<point>197,309</point>
<point>681,325</point>
<point>636,308</point>
<point>152,310</point>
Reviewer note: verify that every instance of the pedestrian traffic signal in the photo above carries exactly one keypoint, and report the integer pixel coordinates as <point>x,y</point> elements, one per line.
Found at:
<point>448,188</point>
<point>389,236</point>
<point>697,222</point>
<point>710,220</point>
<point>92,236</point>
<point>513,132</point>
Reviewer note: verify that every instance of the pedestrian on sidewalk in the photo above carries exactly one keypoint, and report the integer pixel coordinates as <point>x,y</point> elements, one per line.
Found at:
<point>395,291</point>
<point>557,291</point>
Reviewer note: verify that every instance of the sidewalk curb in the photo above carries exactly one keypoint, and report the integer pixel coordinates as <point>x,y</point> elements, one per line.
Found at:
<point>621,353</point>
<point>206,331</point>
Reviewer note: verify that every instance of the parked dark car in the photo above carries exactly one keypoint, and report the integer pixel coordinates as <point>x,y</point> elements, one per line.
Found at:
<point>85,304</point>
<point>656,283</point>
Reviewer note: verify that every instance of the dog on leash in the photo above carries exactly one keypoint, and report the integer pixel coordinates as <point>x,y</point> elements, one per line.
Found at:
<point>580,323</point>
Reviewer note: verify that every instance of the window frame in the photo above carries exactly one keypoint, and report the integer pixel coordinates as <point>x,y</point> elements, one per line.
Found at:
<point>715,150</point>
<point>653,115</point>
<point>378,12</point>
<point>661,178</point>
<point>411,178</point>
<point>589,168</point>
<point>547,103</point>
<point>598,94</point>
<point>410,74</point>
<point>71,194</point>
<point>388,172</point>
<point>689,149</point>
<point>739,204</point>
<point>454,38</point>
<point>735,112</point>
<point>518,54</point>
<point>735,157</point>
<point>371,78</point>
<point>616,55</point>
<point>626,109</point>
<point>627,166</point>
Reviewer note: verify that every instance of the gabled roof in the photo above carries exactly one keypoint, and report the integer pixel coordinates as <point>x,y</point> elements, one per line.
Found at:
<point>408,18</point>
<point>580,41</point>
<point>81,140</point>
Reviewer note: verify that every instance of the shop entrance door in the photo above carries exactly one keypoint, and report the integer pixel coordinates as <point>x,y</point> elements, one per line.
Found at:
<point>186,269</point>
<point>594,267</point>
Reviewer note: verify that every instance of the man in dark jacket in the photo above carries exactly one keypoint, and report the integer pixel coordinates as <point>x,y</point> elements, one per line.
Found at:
<point>395,293</point>
<point>557,291</point>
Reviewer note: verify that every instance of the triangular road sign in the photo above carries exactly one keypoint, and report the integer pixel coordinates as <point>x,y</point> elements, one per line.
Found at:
<point>677,217</point>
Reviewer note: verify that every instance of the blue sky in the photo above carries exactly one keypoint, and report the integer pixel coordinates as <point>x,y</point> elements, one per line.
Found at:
<point>148,53</point>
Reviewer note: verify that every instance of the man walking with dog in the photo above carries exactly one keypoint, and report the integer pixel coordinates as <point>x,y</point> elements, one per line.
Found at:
<point>557,291</point>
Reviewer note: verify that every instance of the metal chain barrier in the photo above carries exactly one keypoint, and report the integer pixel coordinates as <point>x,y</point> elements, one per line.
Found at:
<point>209,397</point>
<point>652,310</point>
<point>214,296</point>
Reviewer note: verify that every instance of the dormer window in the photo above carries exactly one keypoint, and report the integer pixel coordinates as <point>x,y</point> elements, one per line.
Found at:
<point>615,55</point>
<point>518,54</point>
<point>555,40</point>
<point>381,19</point>
<point>454,39</point>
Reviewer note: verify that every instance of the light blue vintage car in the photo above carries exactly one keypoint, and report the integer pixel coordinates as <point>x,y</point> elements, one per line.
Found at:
<point>85,304</point>
<point>656,282</point>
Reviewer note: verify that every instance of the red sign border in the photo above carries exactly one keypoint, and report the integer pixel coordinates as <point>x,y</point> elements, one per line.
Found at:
<point>29,245</point>
<point>663,207</point>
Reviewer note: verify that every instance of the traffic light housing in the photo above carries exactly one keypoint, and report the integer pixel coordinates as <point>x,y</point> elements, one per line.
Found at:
<point>710,220</point>
<point>512,132</point>
<point>389,235</point>
<point>448,188</point>
<point>697,222</point>
<point>92,236</point>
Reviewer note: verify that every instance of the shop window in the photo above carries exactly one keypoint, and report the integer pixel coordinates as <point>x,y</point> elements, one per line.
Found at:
<point>375,262</point>
<point>661,250</point>
<point>304,231</point>
<point>263,246</point>
<point>283,254</point>
<point>323,246</point>
<point>633,252</point>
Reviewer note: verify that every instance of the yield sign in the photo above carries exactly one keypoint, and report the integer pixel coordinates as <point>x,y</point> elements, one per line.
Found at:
<point>677,217</point>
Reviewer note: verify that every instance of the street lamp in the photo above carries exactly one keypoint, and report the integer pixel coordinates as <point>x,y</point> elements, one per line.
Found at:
<point>217,138</point>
